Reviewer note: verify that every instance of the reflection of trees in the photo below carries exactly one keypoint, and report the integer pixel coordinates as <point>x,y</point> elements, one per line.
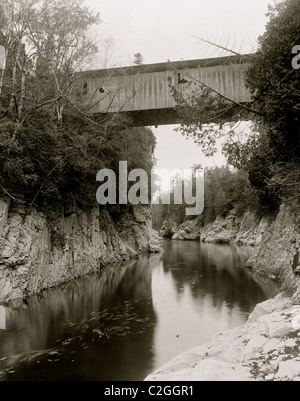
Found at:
<point>129,357</point>
<point>39,322</point>
<point>217,270</point>
<point>136,283</point>
<point>119,298</point>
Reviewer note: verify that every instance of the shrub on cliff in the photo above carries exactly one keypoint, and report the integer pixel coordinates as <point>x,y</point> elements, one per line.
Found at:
<point>51,147</point>
<point>53,163</point>
<point>275,86</point>
<point>225,189</point>
<point>272,150</point>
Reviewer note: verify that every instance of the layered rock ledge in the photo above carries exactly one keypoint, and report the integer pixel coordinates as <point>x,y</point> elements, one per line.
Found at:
<point>38,251</point>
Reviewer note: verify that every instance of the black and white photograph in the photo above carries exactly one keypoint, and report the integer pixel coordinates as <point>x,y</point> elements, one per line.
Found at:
<point>149,193</point>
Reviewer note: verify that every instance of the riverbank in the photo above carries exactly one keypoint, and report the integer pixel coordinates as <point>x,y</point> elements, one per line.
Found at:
<point>40,251</point>
<point>131,318</point>
<point>266,348</point>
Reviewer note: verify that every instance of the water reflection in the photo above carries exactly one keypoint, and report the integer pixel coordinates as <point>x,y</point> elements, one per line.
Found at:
<point>91,326</point>
<point>127,321</point>
<point>200,290</point>
<point>212,269</point>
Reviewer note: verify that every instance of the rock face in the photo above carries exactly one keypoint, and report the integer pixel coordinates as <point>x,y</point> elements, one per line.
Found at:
<point>168,229</point>
<point>278,253</point>
<point>37,252</point>
<point>222,230</point>
<point>245,230</point>
<point>275,240</point>
<point>189,230</point>
<point>266,348</point>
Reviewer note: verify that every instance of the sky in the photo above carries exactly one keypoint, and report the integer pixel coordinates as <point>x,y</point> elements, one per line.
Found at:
<point>164,30</point>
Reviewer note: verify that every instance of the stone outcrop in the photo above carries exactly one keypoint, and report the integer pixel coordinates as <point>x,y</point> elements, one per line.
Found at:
<point>278,252</point>
<point>241,230</point>
<point>189,230</point>
<point>169,228</point>
<point>266,348</point>
<point>245,230</point>
<point>222,230</point>
<point>275,240</point>
<point>38,252</point>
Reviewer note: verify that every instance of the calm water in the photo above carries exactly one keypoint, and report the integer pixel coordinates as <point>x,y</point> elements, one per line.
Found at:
<point>127,321</point>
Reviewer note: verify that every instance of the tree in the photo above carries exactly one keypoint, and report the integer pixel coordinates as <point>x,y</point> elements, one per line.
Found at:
<point>47,160</point>
<point>275,86</point>
<point>107,49</point>
<point>47,43</point>
<point>225,190</point>
<point>138,59</point>
<point>270,153</point>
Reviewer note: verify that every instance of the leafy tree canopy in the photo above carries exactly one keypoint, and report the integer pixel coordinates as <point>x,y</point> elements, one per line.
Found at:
<point>275,84</point>
<point>50,149</point>
<point>271,153</point>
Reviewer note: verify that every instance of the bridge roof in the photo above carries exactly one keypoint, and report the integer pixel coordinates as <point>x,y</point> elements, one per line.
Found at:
<point>169,65</point>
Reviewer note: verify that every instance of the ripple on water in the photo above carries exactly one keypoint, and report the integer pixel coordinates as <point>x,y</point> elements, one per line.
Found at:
<point>103,326</point>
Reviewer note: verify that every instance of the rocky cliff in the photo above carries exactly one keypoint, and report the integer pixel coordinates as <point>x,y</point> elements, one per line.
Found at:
<point>38,251</point>
<point>267,347</point>
<point>274,240</point>
<point>244,230</point>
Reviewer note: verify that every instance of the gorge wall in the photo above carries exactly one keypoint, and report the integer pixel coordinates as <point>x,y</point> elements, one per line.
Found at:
<point>38,252</point>
<point>275,240</point>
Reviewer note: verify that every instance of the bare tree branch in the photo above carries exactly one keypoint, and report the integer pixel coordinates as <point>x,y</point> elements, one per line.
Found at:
<point>224,97</point>
<point>225,48</point>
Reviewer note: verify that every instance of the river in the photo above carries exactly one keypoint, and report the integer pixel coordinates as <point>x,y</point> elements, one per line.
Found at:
<point>128,320</point>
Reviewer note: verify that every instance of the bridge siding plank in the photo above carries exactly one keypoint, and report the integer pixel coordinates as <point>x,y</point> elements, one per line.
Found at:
<point>150,91</point>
